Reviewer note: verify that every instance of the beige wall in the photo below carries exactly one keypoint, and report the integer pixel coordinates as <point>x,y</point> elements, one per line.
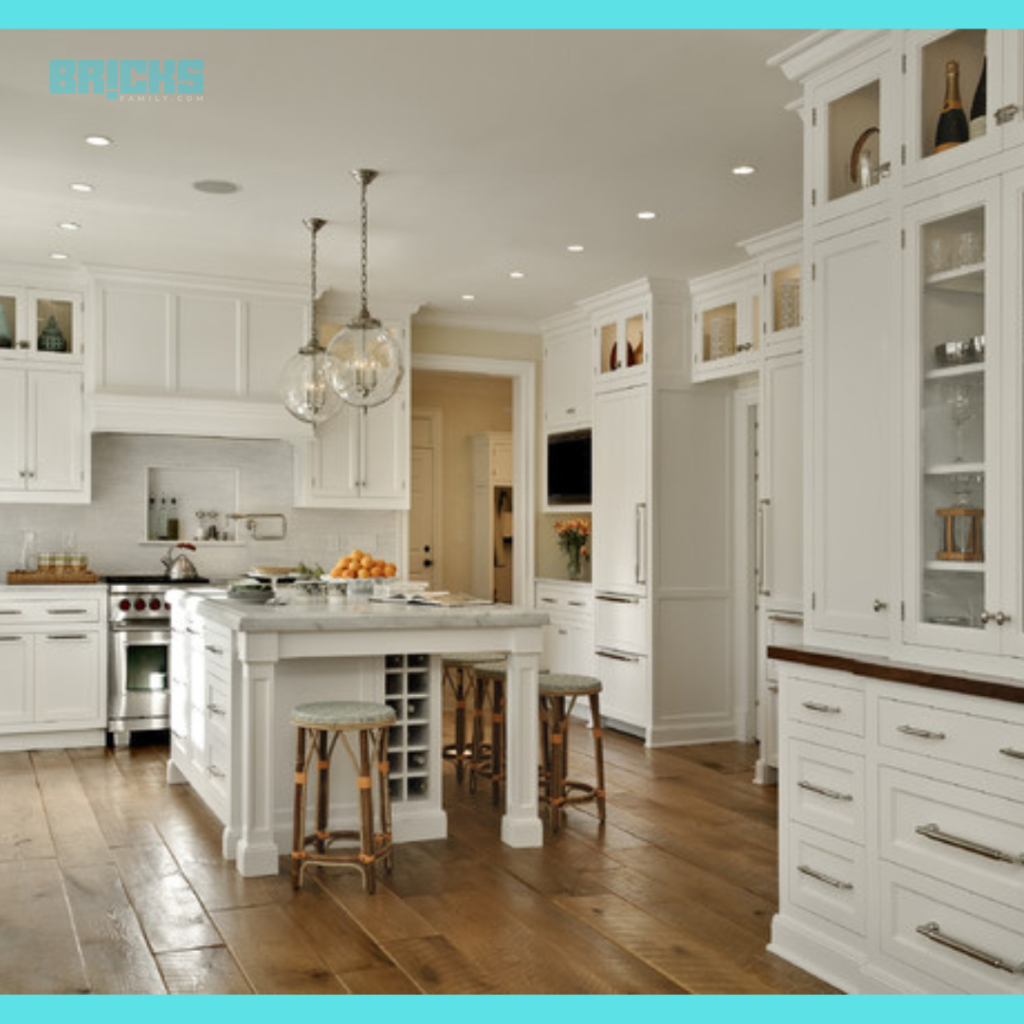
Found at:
<point>470,404</point>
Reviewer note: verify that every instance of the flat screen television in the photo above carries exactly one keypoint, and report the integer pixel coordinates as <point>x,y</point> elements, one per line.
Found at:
<point>569,468</point>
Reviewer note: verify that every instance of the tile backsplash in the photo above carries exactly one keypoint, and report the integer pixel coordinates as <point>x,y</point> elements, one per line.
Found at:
<point>112,529</point>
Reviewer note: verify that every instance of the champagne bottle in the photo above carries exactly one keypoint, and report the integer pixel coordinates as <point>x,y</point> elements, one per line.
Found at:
<point>952,128</point>
<point>978,105</point>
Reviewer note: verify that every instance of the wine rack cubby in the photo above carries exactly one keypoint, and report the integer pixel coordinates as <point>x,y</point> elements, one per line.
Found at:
<point>407,692</point>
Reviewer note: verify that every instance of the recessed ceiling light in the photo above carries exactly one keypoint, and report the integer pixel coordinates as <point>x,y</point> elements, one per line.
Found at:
<point>468,298</point>
<point>80,186</point>
<point>516,275</point>
<point>215,187</point>
<point>69,225</point>
<point>574,248</point>
<point>743,169</point>
<point>58,255</point>
<point>646,215</point>
<point>98,140</point>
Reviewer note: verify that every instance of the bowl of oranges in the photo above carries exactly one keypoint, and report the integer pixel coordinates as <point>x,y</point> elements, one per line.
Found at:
<point>361,565</point>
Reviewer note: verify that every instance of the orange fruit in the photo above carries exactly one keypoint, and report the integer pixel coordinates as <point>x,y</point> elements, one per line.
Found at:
<point>363,574</point>
<point>348,574</point>
<point>376,572</point>
<point>389,569</point>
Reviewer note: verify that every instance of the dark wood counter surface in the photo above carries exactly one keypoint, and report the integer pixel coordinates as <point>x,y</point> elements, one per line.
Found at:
<point>874,667</point>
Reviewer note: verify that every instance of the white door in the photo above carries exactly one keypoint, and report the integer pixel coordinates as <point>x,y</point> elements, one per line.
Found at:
<point>855,440</point>
<point>13,426</point>
<point>620,491</point>
<point>56,432</point>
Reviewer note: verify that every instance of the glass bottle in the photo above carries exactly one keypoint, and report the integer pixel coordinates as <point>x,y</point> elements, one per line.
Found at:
<point>173,524</point>
<point>979,105</point>
<point>952,129</point>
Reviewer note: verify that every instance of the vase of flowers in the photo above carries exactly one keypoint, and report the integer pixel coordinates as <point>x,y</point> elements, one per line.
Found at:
<point>574,540</point>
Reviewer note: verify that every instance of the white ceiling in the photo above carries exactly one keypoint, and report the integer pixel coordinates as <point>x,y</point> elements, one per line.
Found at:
<point>497,149</point>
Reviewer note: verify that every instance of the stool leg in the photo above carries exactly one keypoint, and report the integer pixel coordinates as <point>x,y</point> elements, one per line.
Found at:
<point>556,793</point>
<point>299,810</point>
<point>476,756</point>
<point>385,796</point>
<point>323,789</point>
<point>497,738</point>
<point>365,783</point>
<point>460,723</point>
<point>596,729</point>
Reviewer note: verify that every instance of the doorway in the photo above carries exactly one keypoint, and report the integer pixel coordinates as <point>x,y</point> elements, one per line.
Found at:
<point>472,376</point>
<point>426,536</point>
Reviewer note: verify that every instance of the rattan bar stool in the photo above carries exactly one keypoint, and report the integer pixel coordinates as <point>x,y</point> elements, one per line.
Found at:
<point>489,762</point>
<point>457,670</point>
<point>558,695</point>
<point>323,723</point>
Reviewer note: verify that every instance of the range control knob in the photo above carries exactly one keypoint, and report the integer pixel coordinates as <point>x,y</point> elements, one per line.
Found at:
<point>155,604</point>
<point>140,604</point>
<point>124,604</point>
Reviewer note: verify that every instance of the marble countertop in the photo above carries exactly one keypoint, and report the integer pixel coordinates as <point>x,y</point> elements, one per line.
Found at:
<point>323,616</point>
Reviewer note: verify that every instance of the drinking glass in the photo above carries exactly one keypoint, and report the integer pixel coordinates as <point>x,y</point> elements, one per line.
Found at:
<point>969,249</point>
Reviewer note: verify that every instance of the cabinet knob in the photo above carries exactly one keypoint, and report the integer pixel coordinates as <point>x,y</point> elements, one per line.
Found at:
<point>1001,619</point>
<point>1006,114</point>
<point>879,606</point>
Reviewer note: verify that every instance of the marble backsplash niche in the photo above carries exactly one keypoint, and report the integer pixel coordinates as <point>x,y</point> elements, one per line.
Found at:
<point>112,529</point>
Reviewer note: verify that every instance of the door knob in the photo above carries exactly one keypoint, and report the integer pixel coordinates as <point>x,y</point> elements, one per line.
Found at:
<point>879,606</point>
<point>428,562</point>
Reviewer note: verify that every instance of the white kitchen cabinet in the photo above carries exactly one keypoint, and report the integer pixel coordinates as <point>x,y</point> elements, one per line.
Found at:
<point>621,525</point>
<point>855,378</point>
<point>360,458</point>
<point>901,811</point>
<point>53,658</point>
<point>726,319</point>
<point>569,637</point>
<point>42,421</point>
<point>568,372</point>
<point>41,324</point>
<point>660,540</point>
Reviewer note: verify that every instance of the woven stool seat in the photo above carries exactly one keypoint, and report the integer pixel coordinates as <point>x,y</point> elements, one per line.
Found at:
<point>322,724</point>
<point>567,684</point>
<point>343,714</point>
<point>471,658</point>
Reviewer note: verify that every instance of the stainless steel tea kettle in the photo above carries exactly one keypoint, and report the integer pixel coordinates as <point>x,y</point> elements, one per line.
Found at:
<point>179,567</point>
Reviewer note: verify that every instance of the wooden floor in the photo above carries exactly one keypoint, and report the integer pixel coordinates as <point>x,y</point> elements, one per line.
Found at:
<point>112,882</point>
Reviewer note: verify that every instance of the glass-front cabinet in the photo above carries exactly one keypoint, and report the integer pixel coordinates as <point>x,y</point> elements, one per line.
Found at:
<point>622,348</point>
<point>982,71</point>
<point>40,324</point>
<point>961,350</point>
<point>855,148</point>
<point>726,325</point>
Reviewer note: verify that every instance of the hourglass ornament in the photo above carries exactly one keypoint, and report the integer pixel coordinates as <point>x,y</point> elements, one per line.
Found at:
<point>961,525</point>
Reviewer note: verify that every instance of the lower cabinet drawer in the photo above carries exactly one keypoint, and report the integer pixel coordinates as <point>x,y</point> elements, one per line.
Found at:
<point>620,622</point>
<point>218,770</point>
<point>825,788</point>
<point>828,877</point>
<point>966,943</point>
<point>814,702</point>
<point>965,837</point>
<point>976,741</point>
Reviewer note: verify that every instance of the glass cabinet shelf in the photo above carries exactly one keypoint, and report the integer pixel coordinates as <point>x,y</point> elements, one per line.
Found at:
<point>935,566</point>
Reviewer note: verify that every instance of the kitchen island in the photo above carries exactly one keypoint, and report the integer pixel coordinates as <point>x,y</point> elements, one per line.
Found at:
<point>239,668</point>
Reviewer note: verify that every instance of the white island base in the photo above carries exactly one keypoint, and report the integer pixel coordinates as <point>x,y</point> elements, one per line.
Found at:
<point>239,670</point>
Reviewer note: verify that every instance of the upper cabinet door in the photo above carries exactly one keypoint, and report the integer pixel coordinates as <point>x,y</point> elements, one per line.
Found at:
<point>854,432</point>
<point>852,135</point>
<point>13,429</point>
<point>622,348</point>
<point>56,439</point>
<point>937,62</point>
<point>568,378</point>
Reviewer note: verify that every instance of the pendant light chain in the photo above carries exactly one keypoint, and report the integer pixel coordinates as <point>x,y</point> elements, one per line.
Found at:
<point>314,337</point>
<point>364,223</point>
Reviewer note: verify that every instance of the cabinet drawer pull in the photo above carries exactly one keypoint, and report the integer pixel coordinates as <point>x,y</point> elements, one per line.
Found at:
<point>787,620</point>
<point>214,650</point>
<point>934,833</point>
<point>549,600</point>
<point>10,611</point>
<point>563,632</point>
<point>68,636</point>
<point>933,932</point>
<point>832,794</point>
<point>631,658</point>
<point>216,709</point>
<point>217,773</point>
<point>1010,752</point>
<point>178,735</point>
<point>773,687</point>
<point>67,611</point>
<point>578,604</point>
<point>820,876</point>
<point>10,639</point>
<point>825,709</point>
<point>925,734</point>
<point>618,598</point>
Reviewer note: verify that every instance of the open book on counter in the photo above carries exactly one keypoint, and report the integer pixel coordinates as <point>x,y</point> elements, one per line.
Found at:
<point>436,598</point>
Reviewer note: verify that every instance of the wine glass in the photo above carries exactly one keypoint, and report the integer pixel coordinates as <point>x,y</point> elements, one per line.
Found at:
<point>960,397</point>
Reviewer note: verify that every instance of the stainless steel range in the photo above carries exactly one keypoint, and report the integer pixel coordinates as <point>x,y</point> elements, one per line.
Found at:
<point>140,654</point>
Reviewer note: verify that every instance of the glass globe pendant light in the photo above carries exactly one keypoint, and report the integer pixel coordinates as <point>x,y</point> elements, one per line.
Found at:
<point>306,386</point>
<point>367,361</point>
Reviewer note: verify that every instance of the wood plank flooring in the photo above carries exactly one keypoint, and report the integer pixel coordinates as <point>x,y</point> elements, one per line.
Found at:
<point>112,882</point>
